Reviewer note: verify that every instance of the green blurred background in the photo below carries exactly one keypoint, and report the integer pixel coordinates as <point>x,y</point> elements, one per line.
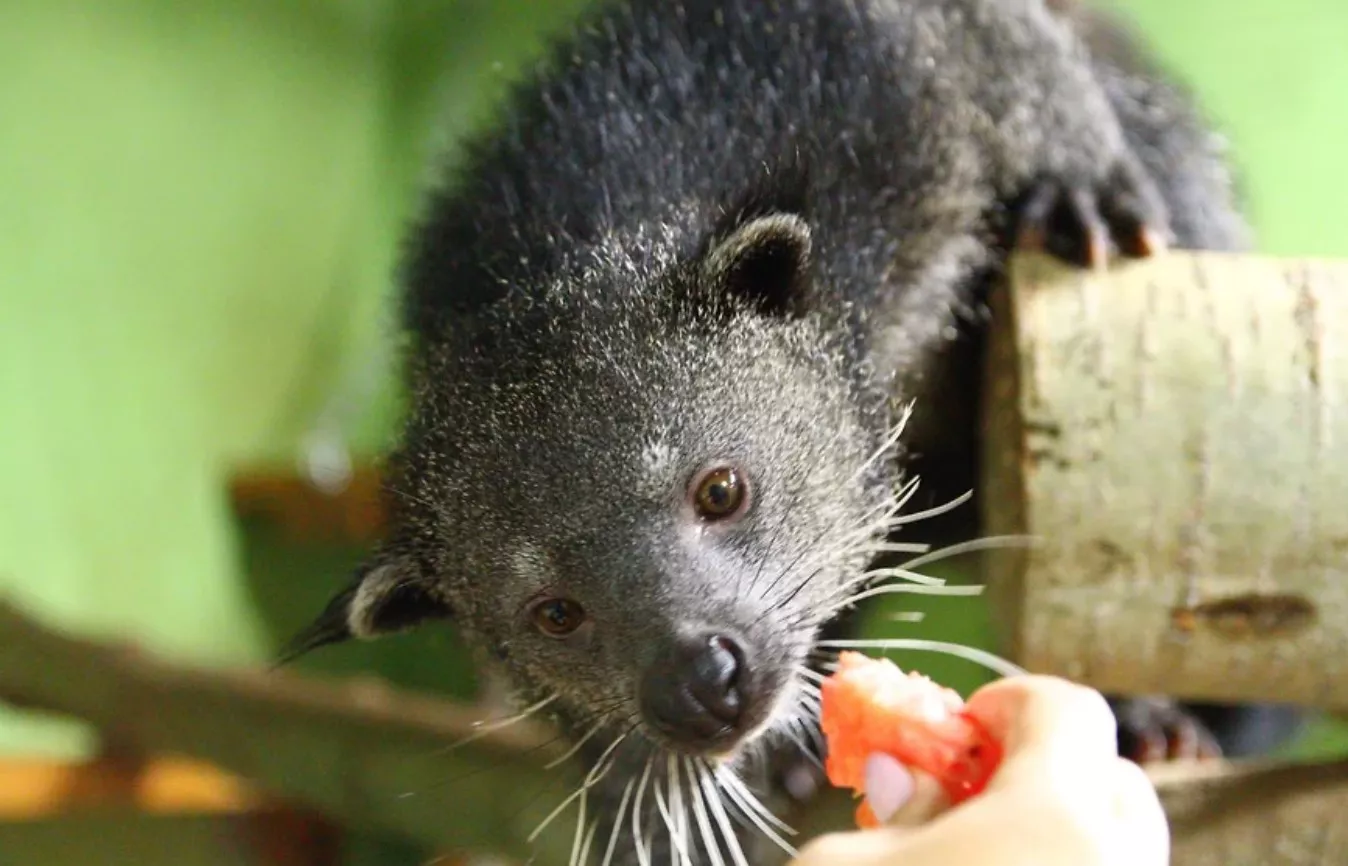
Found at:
<point>199,206</point>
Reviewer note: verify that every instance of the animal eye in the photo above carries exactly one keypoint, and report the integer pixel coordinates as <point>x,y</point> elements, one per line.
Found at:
<point>558,617</point>
<point>720,493</point>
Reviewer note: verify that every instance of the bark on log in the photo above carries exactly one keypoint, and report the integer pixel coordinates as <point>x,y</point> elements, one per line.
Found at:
<point>1258,815</point>
<point>1174,434</point>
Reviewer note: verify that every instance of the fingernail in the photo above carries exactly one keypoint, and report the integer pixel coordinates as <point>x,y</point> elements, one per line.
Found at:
<point>888,785</point>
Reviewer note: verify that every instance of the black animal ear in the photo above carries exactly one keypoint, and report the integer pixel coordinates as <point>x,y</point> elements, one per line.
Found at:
<point>764,262</point>
<point>387,595</point>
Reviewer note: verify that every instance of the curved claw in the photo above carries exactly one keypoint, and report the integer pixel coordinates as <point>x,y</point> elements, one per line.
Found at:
<point>1085,223</point>
<point>1156,731</point>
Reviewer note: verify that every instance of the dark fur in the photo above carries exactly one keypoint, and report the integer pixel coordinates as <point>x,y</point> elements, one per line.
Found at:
<point>581,341</point>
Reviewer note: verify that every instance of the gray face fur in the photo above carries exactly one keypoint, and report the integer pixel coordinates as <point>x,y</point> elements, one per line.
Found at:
<point>551,453</point>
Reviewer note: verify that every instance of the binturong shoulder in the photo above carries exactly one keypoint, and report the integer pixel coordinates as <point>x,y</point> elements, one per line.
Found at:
<point>651,126</point>
<point>906,133</point>
<point>1165,124</point>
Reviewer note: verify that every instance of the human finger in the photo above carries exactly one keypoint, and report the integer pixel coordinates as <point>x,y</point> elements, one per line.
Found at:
<point>1036,713</point>
<point>1138,816</point>
<point>900,796</point>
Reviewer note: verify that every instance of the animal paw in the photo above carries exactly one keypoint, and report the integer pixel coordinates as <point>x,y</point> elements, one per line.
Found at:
<point>1155,730</point>
<point>1087,223</point>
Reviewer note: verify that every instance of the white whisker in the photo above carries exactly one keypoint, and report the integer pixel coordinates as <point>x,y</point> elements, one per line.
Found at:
<point>484,727</point>
<point>990,542</point>
<point>713,798</point>
<point>890,441</point>
<point>580,828</point>
<point>909,589</point>
<point>991,661</point>
<point>643,854</point>
<point>867,539</point>
<point>895,547</point>
<point>874,525</point>
<point>676,849</point>
<point>754,810</point>
<point>727,778</point>
<point>700,813</point>
<point>897,502</point>
<point>617,822</point>
<point>580,744</point>
<point>589,840</point>
<point>799,743</point>
<point>934,511</point>
<point>867,531</point>
<point>899,571</point>
<point>680,809</point>
<point>839,598</point>
<point>808,674</point>
<point>598,772</point>
<point>906,616</point>
<point>812,732</point>
<point>908,570</point>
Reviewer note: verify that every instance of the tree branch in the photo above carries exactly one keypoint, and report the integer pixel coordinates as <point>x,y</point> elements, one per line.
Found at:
<point>1264,814</point>
<point>363,753</point>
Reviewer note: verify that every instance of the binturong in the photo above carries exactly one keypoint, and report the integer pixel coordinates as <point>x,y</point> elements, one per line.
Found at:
<point>680,319</point>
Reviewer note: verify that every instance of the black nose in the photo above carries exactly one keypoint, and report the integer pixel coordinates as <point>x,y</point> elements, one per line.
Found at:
<point>696,692</point>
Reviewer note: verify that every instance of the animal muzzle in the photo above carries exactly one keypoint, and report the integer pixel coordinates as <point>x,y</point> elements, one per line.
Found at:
<point>701,692</point>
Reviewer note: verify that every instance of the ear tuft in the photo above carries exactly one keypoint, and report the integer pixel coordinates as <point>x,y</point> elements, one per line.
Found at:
<point>389,600</point>
<point>387,595</point>
<point>764,262</point>
<point>329,627</point>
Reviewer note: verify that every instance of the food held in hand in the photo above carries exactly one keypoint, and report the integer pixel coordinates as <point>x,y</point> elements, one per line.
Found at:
<point>870,706</point>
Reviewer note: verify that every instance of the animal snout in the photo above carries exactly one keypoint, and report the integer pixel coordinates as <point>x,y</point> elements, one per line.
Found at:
<point>699,692</point>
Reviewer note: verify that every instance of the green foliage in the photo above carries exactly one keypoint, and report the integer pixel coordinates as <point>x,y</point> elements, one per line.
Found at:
<point>200,211</point>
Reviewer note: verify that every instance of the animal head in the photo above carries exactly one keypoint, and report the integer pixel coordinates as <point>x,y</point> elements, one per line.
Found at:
<point>642,488</point>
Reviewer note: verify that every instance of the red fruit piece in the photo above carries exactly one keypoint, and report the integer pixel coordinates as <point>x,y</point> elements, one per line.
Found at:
<point>870,706</point>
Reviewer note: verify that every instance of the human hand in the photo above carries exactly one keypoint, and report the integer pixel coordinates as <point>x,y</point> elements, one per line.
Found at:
<point>1061,797</point>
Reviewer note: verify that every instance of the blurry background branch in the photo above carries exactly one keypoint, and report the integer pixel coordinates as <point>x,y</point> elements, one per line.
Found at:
<point>361,752</point>
<point>373,756</point>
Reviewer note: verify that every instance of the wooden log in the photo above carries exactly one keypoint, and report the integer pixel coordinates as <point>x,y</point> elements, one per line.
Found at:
<point>1255,815</point>
<point>1174,435</point>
